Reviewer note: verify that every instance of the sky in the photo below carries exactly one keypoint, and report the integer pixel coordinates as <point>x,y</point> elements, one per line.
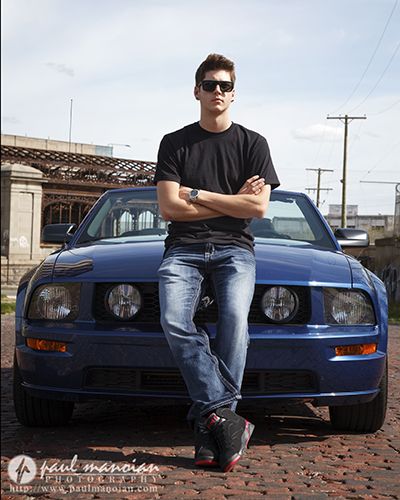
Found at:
<point>127,67</point>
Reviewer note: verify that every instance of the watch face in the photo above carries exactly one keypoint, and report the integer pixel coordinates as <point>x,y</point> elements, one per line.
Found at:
<point>194,193</point>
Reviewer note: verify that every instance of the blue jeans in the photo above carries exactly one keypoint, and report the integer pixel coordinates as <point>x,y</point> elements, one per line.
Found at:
<point>213,374</point>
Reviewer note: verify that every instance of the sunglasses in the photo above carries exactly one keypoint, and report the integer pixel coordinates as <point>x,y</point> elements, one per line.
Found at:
<point>211,85</point>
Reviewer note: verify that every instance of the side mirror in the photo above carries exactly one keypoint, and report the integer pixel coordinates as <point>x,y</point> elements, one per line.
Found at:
<point>58,233</point>
<point>352,237</point>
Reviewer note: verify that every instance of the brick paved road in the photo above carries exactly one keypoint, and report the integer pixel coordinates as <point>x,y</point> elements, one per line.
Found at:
<point>294,454</point>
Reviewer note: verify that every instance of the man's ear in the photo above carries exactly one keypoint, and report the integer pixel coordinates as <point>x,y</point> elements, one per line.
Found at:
<point>196,93</point>
<point>233,95</point>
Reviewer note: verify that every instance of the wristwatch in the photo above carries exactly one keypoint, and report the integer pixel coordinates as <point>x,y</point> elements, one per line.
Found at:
<point>193,195</point>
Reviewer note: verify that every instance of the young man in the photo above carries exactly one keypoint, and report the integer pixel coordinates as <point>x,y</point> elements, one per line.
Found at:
<point>212,177</point>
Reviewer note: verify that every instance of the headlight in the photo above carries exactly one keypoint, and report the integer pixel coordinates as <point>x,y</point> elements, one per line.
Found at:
<point>124,301</point>
<point>56,301</point>
<point>347,307</point>
<point>279,304</point>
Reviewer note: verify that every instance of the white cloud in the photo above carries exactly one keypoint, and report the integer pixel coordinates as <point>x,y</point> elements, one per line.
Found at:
<point>61,68</point>
<point>374,135</point>
<point>10,120</point>
<point>318,132</point>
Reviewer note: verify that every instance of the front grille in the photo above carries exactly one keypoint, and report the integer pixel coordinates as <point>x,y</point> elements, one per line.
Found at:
<point>150,313</point>
<point>171,381</point>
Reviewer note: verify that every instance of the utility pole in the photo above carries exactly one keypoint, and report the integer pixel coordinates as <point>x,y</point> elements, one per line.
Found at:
<point>70,128</point>
<point>346,120</point>
<point>396,228</point>
<point>318,188</point>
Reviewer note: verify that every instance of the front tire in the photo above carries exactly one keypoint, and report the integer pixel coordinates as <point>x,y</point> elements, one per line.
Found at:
<point>38,412</point>
<point>364,417</point>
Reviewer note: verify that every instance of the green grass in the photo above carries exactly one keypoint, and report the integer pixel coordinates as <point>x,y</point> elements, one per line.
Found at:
<point>7,305</point>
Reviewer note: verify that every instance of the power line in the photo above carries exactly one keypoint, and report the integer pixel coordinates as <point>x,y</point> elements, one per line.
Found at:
<point>371,58</point>
<point>321,142</point>
<point>382,158</point>
<point>379,79</point>
<point>356,137</point>
<point>386,109</point>
<point>381,182</point>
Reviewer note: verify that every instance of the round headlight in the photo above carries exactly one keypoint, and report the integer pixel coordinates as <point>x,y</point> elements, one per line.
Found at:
<point>54,302</point>
<point>348,307</point>
<point>124,301</point>
<point>279,304</point>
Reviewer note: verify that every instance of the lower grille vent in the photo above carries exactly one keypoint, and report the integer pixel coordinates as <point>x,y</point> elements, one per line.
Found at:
<point>171,381</point>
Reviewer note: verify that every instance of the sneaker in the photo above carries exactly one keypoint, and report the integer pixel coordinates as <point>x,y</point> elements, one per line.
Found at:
<point>231,433</point>
<point>206,450</point>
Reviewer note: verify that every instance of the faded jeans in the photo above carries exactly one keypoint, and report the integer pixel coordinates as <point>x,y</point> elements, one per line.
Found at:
<point>213,374</point>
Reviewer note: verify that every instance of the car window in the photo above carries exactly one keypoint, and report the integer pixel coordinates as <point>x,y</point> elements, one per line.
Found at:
<point>294,219</point>
<point>131,214</point>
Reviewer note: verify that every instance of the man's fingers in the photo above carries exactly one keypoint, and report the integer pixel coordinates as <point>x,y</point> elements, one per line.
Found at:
<point>251,180</point>
<point>253,185</point>
<point>258,183</point>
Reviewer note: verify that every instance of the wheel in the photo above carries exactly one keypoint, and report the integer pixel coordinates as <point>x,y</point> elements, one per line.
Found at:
<point>32,411</point>
<point>363,417</point>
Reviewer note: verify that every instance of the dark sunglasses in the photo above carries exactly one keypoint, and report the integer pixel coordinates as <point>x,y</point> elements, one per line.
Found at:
<point>211,85</point>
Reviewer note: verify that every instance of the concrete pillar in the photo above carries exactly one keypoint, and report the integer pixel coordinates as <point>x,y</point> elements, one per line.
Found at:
<point>21,210</point>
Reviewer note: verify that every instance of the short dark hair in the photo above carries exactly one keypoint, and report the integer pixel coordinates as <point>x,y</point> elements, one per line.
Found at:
<point>213,62</point>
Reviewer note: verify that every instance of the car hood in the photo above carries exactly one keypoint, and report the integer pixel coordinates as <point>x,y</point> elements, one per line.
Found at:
<point>301,265</point>
<point>115,261</point>
<point>139,261</point>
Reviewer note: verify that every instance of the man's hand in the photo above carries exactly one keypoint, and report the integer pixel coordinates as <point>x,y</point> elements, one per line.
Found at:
<point>184,192</point>
<point>253,185</point>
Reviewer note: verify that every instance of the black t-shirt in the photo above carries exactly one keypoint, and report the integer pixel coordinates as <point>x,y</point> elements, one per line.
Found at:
<point>218,162</point>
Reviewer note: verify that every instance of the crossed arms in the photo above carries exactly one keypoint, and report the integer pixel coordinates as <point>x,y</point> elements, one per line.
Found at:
<point>250,201</point>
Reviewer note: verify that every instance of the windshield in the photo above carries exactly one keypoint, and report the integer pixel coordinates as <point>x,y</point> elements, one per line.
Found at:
<point>292,218</point>
<point>134,215</point>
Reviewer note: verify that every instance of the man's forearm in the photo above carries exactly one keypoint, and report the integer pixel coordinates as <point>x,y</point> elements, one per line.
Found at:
<point>242,206</point>
<point>250,201</point>
<point>183,211</point>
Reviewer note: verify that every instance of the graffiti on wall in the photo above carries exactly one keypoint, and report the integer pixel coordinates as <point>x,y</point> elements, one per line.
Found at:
<point>390,275</point>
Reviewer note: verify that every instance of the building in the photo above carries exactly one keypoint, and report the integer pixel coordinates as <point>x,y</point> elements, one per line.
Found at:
<point>377,226</point>
<point>46,181</point>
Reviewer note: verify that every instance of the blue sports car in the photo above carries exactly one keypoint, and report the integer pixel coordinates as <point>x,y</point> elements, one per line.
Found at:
<point>87,318</point>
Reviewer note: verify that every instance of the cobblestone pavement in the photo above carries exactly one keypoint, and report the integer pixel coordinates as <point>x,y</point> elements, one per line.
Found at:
<point>294,454</point>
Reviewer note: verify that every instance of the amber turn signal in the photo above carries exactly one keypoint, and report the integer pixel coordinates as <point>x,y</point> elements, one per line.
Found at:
<point>357,349</point>
<point>46,345</point>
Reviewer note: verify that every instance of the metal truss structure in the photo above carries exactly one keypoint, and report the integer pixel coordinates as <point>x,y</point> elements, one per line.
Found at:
<point>75,181</point>
<point>72,168</point>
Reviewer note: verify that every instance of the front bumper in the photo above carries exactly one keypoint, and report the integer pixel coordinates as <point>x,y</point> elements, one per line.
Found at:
<point>302,355</point>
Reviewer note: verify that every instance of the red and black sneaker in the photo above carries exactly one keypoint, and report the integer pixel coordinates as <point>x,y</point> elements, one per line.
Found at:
<point>231,433</point>
<point>206,450</point>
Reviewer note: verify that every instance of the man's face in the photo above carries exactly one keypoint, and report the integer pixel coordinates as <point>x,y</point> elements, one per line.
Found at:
<point>216,101</point>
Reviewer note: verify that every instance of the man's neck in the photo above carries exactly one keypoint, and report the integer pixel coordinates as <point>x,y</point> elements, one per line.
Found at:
<point>218,123</point>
